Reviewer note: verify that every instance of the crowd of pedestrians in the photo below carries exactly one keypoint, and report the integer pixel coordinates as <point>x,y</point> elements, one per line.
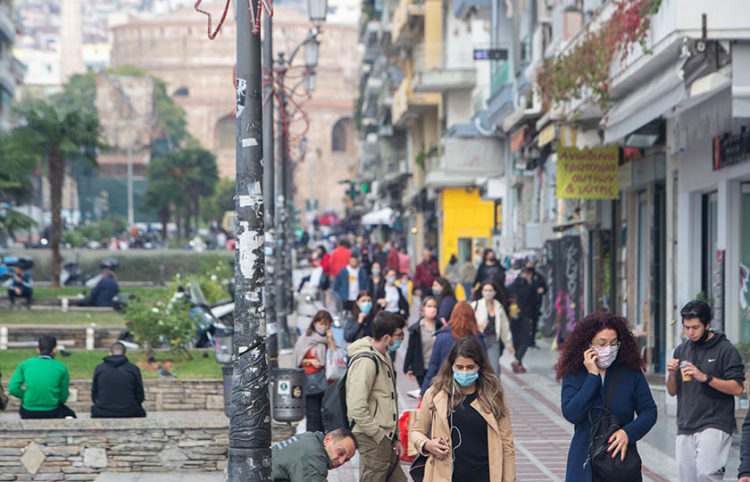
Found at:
<point>462,430</point>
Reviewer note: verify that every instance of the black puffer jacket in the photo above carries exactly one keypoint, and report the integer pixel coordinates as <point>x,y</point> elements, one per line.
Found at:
<point>117,389</point>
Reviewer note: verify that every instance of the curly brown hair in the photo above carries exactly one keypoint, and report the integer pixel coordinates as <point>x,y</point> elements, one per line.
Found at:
<point>571,356</point>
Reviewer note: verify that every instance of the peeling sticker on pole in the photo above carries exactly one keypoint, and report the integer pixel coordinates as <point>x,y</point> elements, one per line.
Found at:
<point>249,142</point>
<point>241,95</point>
<point>248,242</point>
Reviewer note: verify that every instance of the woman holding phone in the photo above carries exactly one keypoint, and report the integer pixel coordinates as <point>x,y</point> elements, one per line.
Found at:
<point>601,353</point>
<point>463,424</point>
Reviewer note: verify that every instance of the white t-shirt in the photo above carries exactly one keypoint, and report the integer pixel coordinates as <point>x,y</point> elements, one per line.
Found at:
<point>353,282</point>
<point>391,298</point>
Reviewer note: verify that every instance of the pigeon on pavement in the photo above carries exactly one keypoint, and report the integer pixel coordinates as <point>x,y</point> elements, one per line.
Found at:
<point>164,373</point>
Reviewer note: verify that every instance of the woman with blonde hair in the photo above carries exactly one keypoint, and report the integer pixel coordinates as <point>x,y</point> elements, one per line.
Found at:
<point>463,425</point>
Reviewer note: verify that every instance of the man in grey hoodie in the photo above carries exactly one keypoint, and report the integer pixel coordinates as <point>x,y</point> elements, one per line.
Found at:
<point>309,456</point>
<point>706,374</point>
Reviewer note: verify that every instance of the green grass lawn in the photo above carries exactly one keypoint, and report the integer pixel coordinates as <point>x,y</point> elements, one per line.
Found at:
<point>20,317</point>
<point>81,364</point>
<point>42,292</point>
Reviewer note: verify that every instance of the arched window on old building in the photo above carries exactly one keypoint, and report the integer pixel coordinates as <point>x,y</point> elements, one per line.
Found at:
<point>340,134</point>
<point>226,132</point>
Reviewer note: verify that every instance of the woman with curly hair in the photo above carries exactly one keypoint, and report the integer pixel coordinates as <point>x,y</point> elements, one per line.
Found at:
<point>462,323</point>
<point>600,346</point>
<point>463,424</point>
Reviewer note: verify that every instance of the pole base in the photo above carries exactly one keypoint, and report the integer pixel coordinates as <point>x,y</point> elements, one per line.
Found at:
<point>249,465</point>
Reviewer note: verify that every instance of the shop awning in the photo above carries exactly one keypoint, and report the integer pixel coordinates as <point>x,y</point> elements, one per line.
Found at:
<point>381,216</point>
<point>645,103</point>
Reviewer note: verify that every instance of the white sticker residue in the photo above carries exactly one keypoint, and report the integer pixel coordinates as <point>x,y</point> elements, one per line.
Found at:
<point>248,242</point>
<point>249,142</point>
<point>271,329</point>
<point>245,201</point>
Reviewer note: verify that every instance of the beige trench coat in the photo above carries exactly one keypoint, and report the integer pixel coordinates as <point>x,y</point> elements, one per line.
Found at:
<point>433,412</point>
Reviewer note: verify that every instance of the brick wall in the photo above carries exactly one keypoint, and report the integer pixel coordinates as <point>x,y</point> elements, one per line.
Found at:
<point>82,449</point>
<point>161,395</point>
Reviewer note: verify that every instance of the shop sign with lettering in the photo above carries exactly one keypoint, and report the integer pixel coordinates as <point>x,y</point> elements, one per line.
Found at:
<point>587,173</point>
<point>731,149</point>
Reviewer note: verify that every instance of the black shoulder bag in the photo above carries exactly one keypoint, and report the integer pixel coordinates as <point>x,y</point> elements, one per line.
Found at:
<point>603,466</point>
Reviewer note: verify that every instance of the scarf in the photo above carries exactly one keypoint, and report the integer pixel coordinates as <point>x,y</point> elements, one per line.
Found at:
<point>305,342</point>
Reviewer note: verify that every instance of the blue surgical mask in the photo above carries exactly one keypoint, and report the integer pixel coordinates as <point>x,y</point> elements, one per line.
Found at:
<point>365,307</point>
<point>390,281</point>
<point>396,345</point>
<point>466,379</point>
<point>436,292</point>
<point>375,270</point>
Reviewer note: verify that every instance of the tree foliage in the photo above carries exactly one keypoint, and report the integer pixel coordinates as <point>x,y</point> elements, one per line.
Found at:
<point>54,134</point>
<point>221,201</point>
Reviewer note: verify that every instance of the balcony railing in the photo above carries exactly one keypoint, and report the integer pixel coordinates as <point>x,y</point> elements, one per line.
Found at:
<point>7,26</point>
<point>404,10</point>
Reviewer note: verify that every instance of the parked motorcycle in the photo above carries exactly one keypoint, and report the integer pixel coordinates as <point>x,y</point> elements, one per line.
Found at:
<point>71,273</point>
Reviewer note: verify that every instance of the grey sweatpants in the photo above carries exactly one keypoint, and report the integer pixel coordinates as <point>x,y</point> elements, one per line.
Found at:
<point>702,456</point>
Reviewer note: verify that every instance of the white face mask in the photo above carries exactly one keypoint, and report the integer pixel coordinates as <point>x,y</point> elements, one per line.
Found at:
<point>605,356</point>
<point>488,295</point>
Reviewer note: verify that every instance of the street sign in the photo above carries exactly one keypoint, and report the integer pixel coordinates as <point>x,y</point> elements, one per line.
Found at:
<point>490,54</point>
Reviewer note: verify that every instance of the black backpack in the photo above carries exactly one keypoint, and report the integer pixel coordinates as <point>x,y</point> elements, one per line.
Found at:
<point>603,466</point>
<point>334,400</point>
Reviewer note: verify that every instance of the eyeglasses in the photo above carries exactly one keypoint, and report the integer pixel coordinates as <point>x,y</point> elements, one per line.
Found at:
<point>398,336</point>
<point>615,344</point>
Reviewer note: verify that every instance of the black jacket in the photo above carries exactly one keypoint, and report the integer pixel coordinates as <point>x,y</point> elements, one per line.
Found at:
<point>353,331</point>
<point>744,469</point>
<point>698,405</point>
<point>106,289</point>
<point>525,295</point>
<point>117,389</point>
<point>490,272</point>
<point>414,360</point>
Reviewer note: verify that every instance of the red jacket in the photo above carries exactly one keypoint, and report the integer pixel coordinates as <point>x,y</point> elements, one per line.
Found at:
<point>425,275</point>
<point>339,258</point>
<point>393,261</point>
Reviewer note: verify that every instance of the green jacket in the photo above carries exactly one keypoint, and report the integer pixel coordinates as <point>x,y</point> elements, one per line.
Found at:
<point>302,458</point>
<point>371,396</point>
<point>41,383</point>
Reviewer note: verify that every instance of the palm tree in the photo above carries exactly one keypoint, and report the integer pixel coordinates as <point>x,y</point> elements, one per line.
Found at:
<point>54,135</point>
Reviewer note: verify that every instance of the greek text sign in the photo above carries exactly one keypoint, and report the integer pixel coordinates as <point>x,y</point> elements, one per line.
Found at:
<point>587,173</point>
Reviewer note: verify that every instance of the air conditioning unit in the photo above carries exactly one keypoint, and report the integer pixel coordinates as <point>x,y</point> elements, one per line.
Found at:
<point>492,189</point>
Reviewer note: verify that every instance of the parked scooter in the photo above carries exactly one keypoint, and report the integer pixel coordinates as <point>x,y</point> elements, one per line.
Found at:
<point>312,300</point>
<point>71,273</point>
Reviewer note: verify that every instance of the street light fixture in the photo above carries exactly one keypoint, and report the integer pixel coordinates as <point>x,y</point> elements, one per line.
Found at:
<point>311,50</point>
<point>310,82</point>
<point>317,10</point>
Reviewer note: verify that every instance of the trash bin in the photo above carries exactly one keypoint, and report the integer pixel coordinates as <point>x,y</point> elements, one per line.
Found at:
<point>288,394</point>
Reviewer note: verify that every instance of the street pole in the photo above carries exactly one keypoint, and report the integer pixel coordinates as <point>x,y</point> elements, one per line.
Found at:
<point>272,341</point>
<point>282,217</point>
<point>131,214</point>
<point>250,423</point>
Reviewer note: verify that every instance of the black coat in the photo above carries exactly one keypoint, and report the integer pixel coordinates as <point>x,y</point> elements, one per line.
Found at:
<point>414,360</point>
<point>490,272</point>
<point>117,389</point>
<point>525,294</point>
<point>353,330</point>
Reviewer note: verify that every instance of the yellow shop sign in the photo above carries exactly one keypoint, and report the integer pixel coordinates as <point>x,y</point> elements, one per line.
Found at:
<point>587,173</point>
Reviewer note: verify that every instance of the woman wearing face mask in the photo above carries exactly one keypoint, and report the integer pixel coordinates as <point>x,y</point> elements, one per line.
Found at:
<point>393,298</point>
<point>421,341</point>
<point>600,350</point>
<point>360,324</point>
<point>490,269</point>
<point>463,424</point>
<point>310,354</point>
<point>463,323</point>
<point>491,307</point>
<point>377,281</point>
<point>446,299</point>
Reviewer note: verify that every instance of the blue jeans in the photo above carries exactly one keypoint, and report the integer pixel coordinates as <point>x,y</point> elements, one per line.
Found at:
<point>467,290</point>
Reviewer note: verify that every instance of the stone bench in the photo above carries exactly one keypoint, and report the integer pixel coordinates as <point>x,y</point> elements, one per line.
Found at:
<point>81,449</point>
<point>161,395</point>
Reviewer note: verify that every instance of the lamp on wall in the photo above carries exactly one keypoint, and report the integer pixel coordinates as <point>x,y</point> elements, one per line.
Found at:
<point>317,10</point>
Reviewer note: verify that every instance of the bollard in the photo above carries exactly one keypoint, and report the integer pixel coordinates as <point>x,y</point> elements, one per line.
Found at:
<point>89,338</point>
<point>3,337</point>
<point>65,303</point>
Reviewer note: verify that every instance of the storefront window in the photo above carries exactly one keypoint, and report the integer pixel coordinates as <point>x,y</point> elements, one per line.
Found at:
<point>745,262</point>
<point>710,234</point>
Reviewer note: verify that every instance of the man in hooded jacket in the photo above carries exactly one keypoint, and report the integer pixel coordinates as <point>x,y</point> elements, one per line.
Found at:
<point>117,388</point>
<point>706,374</point>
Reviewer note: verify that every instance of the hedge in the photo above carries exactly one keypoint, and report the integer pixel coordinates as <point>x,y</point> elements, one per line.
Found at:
<point>135,265</point>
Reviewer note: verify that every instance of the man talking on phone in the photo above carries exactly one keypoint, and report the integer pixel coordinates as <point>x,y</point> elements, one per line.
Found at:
<point>706,374</point>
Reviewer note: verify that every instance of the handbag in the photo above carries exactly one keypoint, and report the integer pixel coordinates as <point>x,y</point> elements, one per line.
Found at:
<point>603,466</point>
<point>335,364</point>
<point>315,383</point>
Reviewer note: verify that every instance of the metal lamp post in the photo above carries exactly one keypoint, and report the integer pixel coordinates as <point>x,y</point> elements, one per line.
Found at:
<point>317,10</point>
